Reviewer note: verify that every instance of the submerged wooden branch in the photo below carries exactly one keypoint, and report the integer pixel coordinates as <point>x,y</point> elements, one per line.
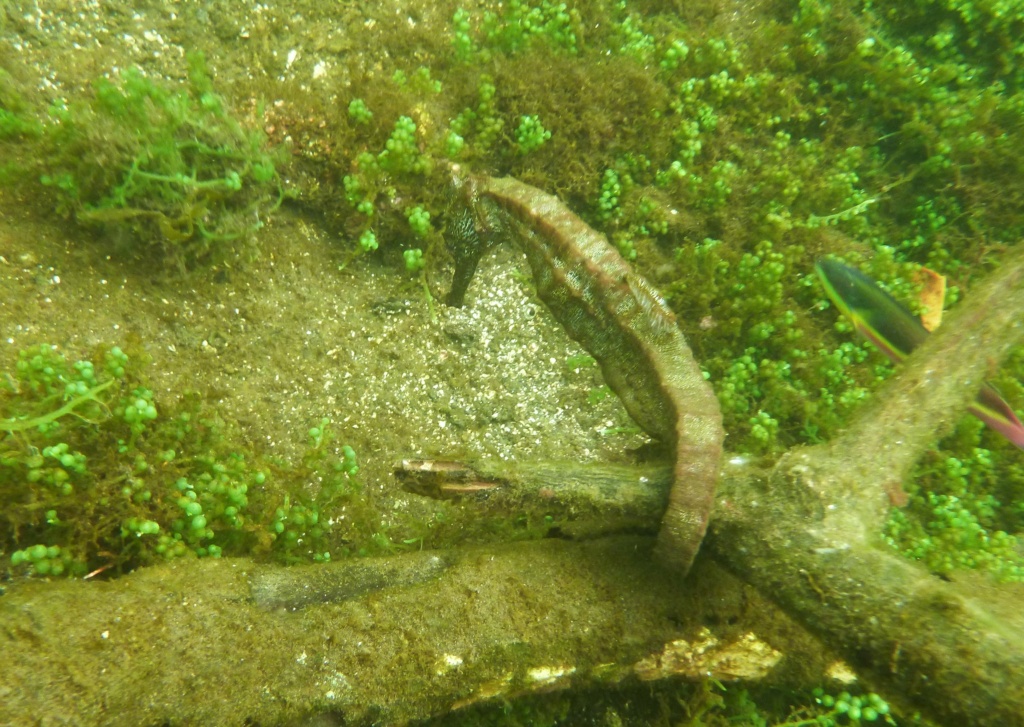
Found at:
<point>393,639</point>
<point>952,650</point>
<point>955,651</point>
<point>586,501</point>
<point>808,534</point>
<point>418,635</point>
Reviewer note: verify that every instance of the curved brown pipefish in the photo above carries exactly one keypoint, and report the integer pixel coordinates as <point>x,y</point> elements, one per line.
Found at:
<point>618,317</point>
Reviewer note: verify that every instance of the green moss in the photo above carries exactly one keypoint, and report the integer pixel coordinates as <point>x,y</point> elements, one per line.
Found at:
<point>419,221</point>
<point>167,164</point>
<point>482,123</point>
<point>516,27</point>
<point>16,121</point>
<point>46,560</point>
<point>530,134</point>
<point>956,517</point>
<point>401,153</point>
<point>117,480</point>
<point>358,111</point>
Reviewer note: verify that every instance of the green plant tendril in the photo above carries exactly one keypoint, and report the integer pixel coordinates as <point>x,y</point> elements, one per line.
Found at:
<point>20,425</point>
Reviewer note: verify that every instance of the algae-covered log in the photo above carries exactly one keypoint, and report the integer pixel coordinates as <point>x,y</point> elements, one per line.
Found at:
<point>578,501</point>
<point>954,652</point>
<point>387,640</point>
<point>227,642</point>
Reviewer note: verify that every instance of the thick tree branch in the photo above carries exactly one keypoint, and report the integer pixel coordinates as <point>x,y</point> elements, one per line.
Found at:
<point>378,641</point>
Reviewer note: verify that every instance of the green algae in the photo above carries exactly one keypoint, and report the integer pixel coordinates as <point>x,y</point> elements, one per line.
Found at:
<point>120,485</point>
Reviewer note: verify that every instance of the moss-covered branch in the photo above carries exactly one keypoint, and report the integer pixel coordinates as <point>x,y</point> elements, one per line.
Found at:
<point>950,651</point>
<point>418,637</point>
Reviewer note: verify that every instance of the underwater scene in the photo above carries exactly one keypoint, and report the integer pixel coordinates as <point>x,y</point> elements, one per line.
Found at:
<point>607,363</point>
